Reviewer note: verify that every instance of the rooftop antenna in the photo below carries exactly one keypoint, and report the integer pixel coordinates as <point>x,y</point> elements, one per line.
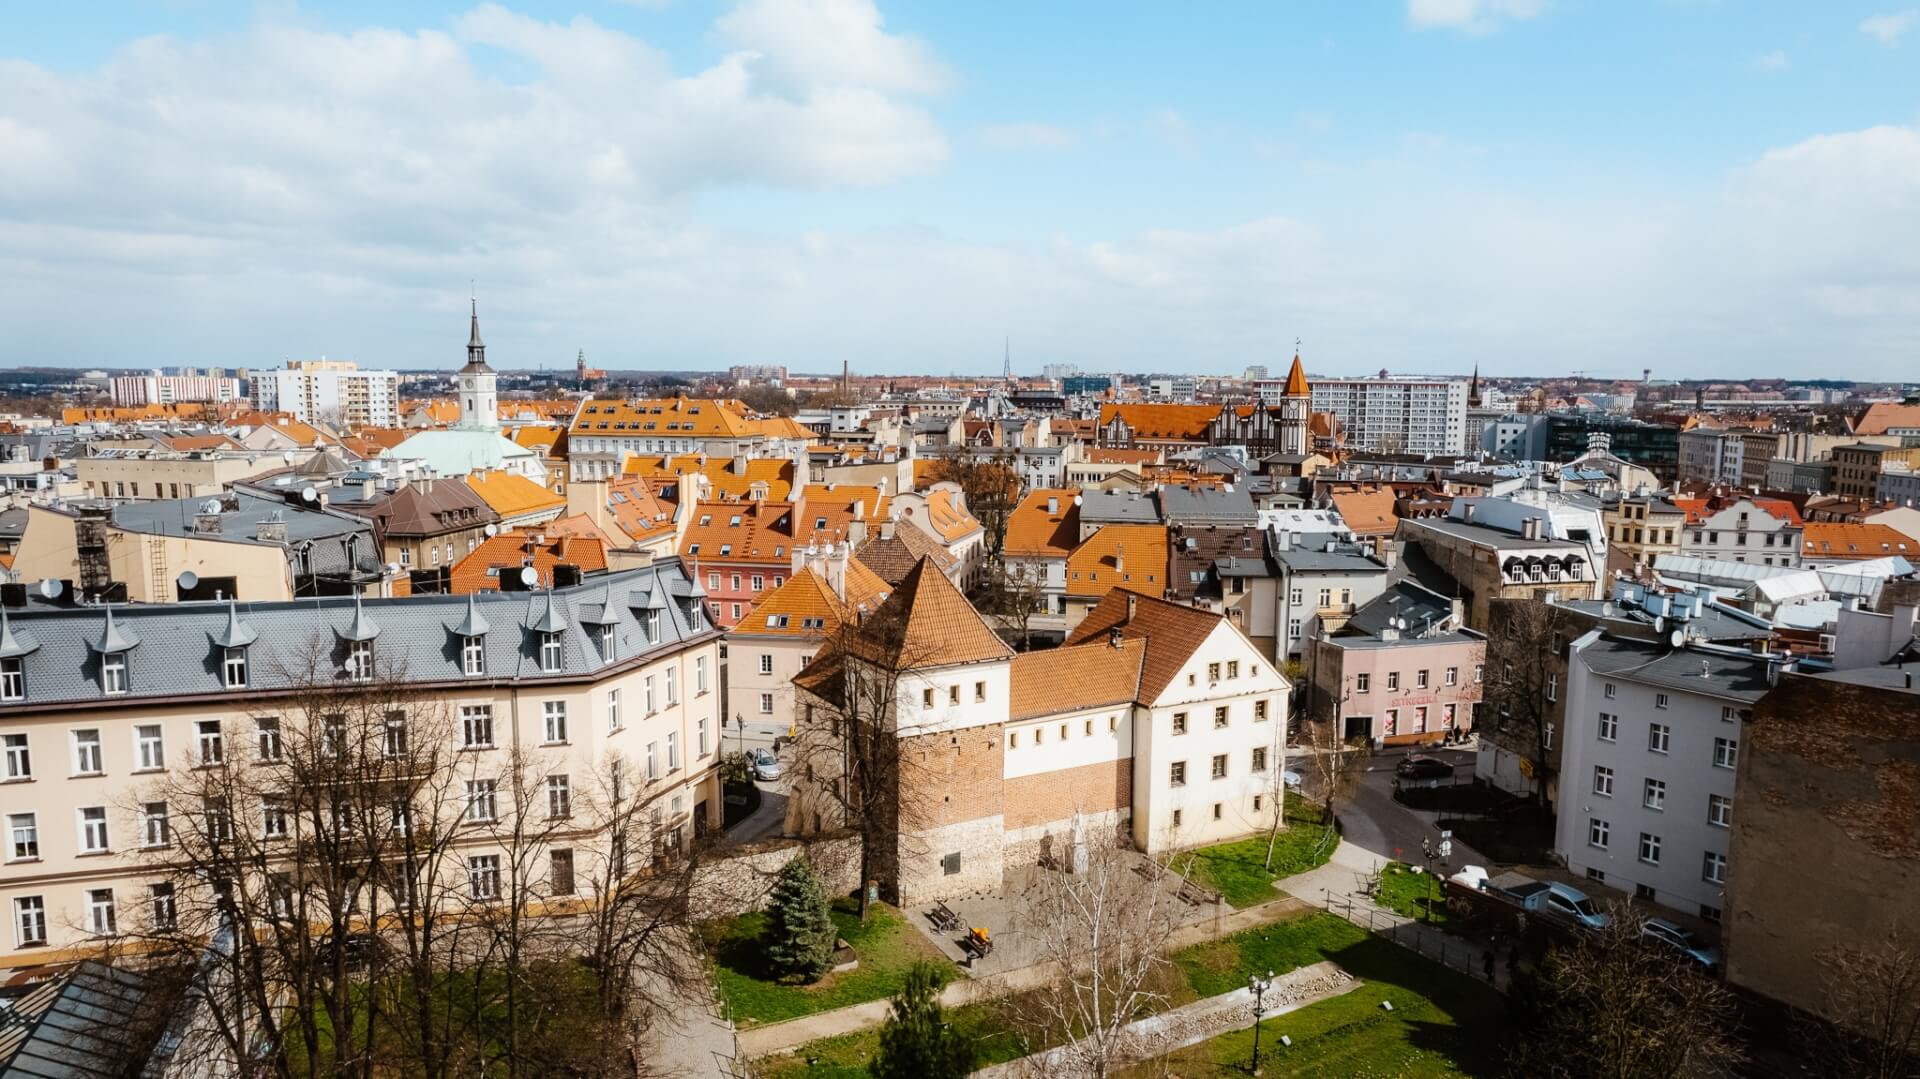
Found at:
<point>1006,363</point>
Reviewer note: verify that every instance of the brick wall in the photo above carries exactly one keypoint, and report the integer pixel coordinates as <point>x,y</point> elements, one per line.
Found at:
<point>1052,796</point>
<point>951,778</point>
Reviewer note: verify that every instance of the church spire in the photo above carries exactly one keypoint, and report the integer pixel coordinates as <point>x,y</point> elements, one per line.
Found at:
<point>476,349</point>
<point>1473,389</point>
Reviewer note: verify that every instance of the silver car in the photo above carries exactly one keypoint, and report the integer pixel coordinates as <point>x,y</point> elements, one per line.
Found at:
<point>766,766</point>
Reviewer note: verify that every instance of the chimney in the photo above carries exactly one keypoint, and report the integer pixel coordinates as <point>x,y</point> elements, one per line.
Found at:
<point>1120,560</point>
<point>1133,604</point>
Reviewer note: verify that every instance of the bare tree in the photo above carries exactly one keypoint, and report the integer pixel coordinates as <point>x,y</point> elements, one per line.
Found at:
<point>1524,677</point>
<point>1609,1007</point>
<point>1871,1007</point>
<point>1010,596</point>
<point>1103,934</point>
<point>992,488</point>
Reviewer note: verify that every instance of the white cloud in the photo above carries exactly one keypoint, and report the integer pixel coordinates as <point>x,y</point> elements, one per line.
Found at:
<point>1027,136</point>
<point>1771,61</point>
<point>834,42</point>
<point>1888,29</point>
<point>1472,16</point>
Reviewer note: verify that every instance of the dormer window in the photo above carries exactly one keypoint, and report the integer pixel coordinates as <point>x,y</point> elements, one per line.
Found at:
<point>235,668</point>
<point>113,673</point>
<point>360,661</point>
<point>473,655</point>
<point>13,679</point>
<point>606,636</point>
<point>551,652</point>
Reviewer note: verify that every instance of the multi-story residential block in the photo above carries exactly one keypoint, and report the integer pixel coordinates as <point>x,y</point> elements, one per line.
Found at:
<point>1042,532</point>
<point>1766,531</point>
<point>331,392</point>
<point>786,629</point>
<point>154,388</point>
<point>424,525</point>
<point>1526,544</point>
<point>1321,580</point>
<point>1401,671</point>
<point>744,550</point>
<point>1857,467</point>
<point>1644,525</point>
<point>107,714</point>
<point>604,432</point>
<point>1653,739</point>
<point>136,474</point>
<point>1398,414</point>
<point>1711,455</point>
<point>1823,848</point>
<point>1157,720</point>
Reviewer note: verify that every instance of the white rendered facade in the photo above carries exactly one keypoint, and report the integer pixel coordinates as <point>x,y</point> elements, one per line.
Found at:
<point>1396,413</point>
<point>330,391</point>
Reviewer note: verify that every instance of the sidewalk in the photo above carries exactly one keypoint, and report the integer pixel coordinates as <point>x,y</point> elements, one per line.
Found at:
<point>779,1037</point>
<point>1158,1035</point>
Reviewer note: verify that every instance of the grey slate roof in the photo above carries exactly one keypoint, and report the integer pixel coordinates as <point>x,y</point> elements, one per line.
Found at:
<point>1344,558</point>
<point>1717,673</point>
<point>177,656</point>
<point>1405,600</point>
<point>1205,506</point>
<point>1117,507</point>
<point>321,541</point>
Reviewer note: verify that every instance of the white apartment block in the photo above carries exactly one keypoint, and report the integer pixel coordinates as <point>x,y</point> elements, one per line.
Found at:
<point>154,388</point>
<point>330,392</point>
<point>1399,414</point>
<point>1648,765</point>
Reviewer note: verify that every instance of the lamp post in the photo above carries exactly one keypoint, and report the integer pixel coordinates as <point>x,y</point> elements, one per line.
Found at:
<point>1259,986</point>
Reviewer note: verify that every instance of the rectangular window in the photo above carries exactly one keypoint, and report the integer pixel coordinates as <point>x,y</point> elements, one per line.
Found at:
<point>333,735</point>
<point>360,661</point>
<point>926,698</point>
<point>1598,833</point>
<point>1659,737</point>
<point>483,876</point>
<point>1653,794</point>
<point>480,800</point>
<point>160,906</point>
<point>700,732</point>
<point>1725,750</point>
<point>953,693</point>
<point>266,731</point>
<point>393,736</point>
<point>1719,811</point>
<point>554,713</point>
<point>29,920</point>
<point>766,704</point>
<point>148,748</point>
<point>1659,700</point>
<point>477,726</point>
<point>23,836</point>
<point>235,667</point>
<point>1260,758</point>
<point>559,797</point>
<point>156,828</point>
<point>93,830</point>
<point>613,709</point>
<point>1393,681</point>
<point>211,743</point>
<point>673,751</point>
<point>218,820</point>
<point>1362,683</point>
<point>653,761</point>
<point>1649,848</point>
<point>1603,780</point>
<point>1479,673</point>
<point>1220,766</point>
<point>1179,723</point>
<point>1233,668</point>
<point>1553,687</point>
<point>979,692</point>
<point>673,686</point>
<point>1608,691</point>
<point>1713,868</point>
<point>101,919</point>
<point>86,753</point>
<point>13,679</point>
<point>1420,679</point>
<point>605,638</point>
<point>113,673</point>
<point>766,663</point>
<point>473,655</point>
<point>699,674</point>
<point>1177,774</point>
<point>560,872</point>
<point>1453,676</point>
<point>1213,672</point>
<point>552,650</point>
<point>1259,711</point>
<point>1219,716</point>
<point>273,818</point>
<point>1176,818</point>
<point>1609,727</point>
<point>646,691</point>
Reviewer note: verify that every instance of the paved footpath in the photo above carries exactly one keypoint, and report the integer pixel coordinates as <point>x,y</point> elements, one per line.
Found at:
<point>1191,1024</point>
<point>781,1037</point>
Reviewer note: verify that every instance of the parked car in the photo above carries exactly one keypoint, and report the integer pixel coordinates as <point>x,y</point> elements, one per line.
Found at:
<point>1572,904</point>
<point>1422,766</point>
<point>1680,941</point>
<point>766,766</point>
<point>1562,901</point>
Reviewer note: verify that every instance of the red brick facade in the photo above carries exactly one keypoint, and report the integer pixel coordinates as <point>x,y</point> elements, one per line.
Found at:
<point>1051,796</point>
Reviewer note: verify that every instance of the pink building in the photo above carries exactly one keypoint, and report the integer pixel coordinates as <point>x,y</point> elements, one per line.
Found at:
<point>1402,671</point>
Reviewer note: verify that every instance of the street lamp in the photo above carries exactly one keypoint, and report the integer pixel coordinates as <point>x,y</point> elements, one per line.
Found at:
<point>1259,986</point>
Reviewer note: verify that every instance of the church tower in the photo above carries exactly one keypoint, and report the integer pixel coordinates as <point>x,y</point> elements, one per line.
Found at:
<point>479,398</point>
<point>1295,404</point>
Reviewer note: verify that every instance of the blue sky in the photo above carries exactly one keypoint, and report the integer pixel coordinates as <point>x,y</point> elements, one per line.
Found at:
<point>1710,189</point>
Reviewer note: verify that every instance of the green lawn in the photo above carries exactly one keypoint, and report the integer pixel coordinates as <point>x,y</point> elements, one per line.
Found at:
<point>886,945</point>
<point>1238,870</point>
<point>1443,1023</point>
<point>1413,895</point>
<point>846,1056</point>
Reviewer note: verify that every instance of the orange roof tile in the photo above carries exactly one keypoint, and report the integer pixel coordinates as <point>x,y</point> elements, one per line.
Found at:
<point>865,588</point>
<point>1367,511</point>
<point>729,477</point>
<point>1173,633</point>
<point>1297,379</point>
<point>509,551</point>
<point>892,557</point>
<point>1883,417</point>
<point>435,410</point>
<point>927,623</point>
<point>1077,677</point>
<point>1128,556</point>
<point>1825,539</point>
<point>537,437</point>
<point>1176,423</point>
<point>578,524</point>
<point>779,427</point>
<point>637,509</point>
<point>1119,456</point>
<point>802,607</point>
<point>1034,531</point>
<point>756,533</point>
<point>684,416</point>
<point>827,513</point>
<point>510,494</point>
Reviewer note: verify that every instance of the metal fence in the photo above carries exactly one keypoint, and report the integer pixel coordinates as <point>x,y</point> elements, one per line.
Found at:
<point>1466,956</point>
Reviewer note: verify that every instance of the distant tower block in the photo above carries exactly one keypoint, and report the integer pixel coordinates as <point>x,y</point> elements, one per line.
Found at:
<point>580,366</point>
<point>1646,374</point>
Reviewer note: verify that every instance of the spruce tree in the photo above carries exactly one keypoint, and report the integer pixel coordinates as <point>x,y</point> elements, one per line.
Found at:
<point>800,935</point>
<point>916,1042</point>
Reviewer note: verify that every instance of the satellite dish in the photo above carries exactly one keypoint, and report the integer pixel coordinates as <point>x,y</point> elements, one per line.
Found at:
<point>188,580</point>
<point>493,530</point>
<point>529,576</point>
<point>393,569</point>
<point>211,505</point>
<point>287,456</point>
<point>1678,637</point>
<point>308,494</point>
<point>51,588</point>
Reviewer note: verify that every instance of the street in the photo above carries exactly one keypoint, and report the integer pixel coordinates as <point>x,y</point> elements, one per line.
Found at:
<point>1372,820</point>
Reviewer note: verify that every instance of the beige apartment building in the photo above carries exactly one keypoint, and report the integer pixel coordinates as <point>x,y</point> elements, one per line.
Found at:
<point>104,712</point>
<point>158,474</point>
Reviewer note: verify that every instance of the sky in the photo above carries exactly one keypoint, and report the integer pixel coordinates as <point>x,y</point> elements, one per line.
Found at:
<point>1706,188</point>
